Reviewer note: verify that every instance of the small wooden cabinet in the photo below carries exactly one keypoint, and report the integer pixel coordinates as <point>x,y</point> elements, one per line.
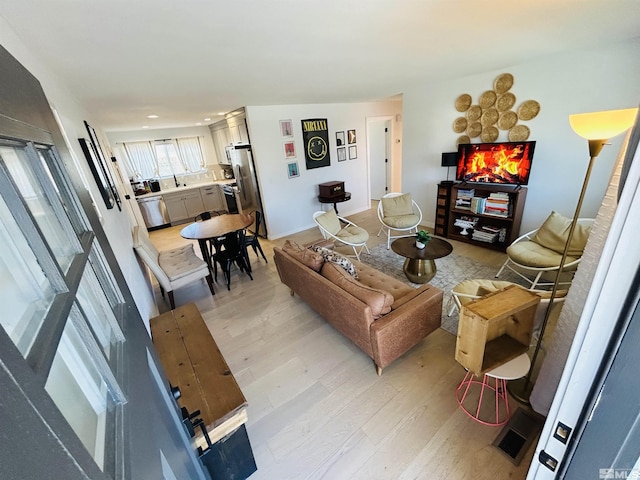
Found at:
<point>495,328</point>
<point>442,209</point>
<point>506,226</point>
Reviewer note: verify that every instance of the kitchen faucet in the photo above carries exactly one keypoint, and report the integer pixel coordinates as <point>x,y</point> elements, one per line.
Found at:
<point>175,180</point>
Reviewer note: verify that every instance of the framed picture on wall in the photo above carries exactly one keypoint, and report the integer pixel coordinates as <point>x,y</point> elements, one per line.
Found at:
<point>290,149</point>
<point>286,128</point>
<point>352,136</point>
<point>353,152</point>
<point>340,139</point>
<point>342,154</point>
<point>292,169</point>
<point>98,173</point>
<point>102,174</point>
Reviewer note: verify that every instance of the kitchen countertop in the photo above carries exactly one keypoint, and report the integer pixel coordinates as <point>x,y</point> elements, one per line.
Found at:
<point>192,186</point>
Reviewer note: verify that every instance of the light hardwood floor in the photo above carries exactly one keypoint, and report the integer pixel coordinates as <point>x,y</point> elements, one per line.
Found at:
<point>317,409</point>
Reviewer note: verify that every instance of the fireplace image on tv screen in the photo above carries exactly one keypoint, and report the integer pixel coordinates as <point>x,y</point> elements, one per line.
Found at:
<point>505,163</point>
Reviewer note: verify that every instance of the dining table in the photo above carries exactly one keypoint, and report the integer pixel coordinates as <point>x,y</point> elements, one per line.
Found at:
<point>215,227</point>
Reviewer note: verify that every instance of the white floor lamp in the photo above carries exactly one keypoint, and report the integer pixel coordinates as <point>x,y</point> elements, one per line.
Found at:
<point>597,128</point>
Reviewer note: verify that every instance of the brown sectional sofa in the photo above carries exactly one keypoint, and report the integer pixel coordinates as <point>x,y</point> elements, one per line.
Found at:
<point>381,315</point>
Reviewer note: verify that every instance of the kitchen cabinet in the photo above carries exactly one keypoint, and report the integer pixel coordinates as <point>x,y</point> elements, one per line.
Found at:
<point>230,131</point>
<point>212,198</point>
<point>184,205</point>
<point>238,130</point>
<point>221,138</point>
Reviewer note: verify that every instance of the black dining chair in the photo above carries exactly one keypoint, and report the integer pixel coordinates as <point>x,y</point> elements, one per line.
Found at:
<point>229,250</point>
<point>201,217</point>
<point>252,240</point>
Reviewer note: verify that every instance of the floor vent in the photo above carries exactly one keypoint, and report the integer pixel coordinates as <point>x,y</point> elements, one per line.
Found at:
<point>518,434</point>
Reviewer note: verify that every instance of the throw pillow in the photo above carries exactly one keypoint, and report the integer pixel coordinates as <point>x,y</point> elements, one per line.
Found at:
<point>554,232</point>
<point>398,205</point>
<point>329,221</point>
<point>340,260</point>
<point>378,300</point>
<point>307,257</point>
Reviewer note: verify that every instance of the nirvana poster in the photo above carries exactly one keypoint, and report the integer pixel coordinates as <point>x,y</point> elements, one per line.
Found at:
<point>315,136</point>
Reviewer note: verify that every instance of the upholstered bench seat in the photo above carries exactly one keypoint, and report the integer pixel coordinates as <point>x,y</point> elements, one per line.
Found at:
<point>181,262</point>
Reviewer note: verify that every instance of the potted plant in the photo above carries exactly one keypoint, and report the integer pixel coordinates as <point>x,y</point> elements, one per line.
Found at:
<point>422,238</point>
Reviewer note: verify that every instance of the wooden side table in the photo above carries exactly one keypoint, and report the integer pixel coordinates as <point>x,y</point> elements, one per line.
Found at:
<point>419,266</point>
<point>194,364</point>
<point>335,200</point>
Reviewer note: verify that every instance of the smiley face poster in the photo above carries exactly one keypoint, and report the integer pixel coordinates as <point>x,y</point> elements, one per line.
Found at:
<point>315,136</point>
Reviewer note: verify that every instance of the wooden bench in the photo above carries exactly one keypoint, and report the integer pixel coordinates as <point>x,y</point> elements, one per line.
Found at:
<point>194,364</point>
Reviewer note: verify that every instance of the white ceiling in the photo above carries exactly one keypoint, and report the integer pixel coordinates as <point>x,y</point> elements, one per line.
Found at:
<point>185,60</point>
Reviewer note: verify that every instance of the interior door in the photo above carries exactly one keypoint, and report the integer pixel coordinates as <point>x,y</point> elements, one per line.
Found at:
<point>614,415</point>
<point>76,384</point>
<point>378,135</point>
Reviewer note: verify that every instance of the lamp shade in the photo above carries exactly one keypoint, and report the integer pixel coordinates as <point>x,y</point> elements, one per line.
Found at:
<point>449,159</point>
<point>602,125</point>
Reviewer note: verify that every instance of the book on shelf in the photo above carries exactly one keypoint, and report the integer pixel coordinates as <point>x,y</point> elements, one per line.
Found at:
<point>464,198</point>
<point>487,233</point>
<point>478,204</point>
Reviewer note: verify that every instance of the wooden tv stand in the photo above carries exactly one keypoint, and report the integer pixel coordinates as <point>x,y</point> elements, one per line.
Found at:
<point>509,225</point>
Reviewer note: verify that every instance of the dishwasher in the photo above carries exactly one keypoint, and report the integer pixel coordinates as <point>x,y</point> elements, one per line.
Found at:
<point>154,212</point>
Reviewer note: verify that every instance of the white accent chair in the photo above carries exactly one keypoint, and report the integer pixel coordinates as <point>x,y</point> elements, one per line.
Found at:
<point>352,235</point>
<point>398,211</point>
<point>540,251</point>
<point>172,268</point>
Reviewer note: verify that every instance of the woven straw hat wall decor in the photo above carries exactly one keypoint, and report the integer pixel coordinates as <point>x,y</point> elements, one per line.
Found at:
<point>494,112</point>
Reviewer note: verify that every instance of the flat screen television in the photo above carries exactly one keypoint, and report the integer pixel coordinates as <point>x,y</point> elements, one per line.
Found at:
<point>504,162</point>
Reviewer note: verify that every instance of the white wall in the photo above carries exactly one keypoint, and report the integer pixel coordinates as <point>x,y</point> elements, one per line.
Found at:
<point>116,223</point>
<point>585,81</point>
<point>289,203</point>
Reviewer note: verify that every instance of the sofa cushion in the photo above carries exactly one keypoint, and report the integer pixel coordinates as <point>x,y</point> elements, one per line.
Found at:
<point>535,255</point>
<point>306,256</point>
<point>370,277</point>
<point>554,232</point>
<point>378,300</point>
<point>340,260</point>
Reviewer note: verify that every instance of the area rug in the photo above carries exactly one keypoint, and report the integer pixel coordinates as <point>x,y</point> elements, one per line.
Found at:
<point>451,270</point>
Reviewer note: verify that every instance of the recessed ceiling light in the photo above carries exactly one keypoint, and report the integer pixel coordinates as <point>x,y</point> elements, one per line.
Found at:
<point>207,119</point>
<point>152,116</point>
<point>199,123</point>
<point>221,113</point>
<point>145,126</point>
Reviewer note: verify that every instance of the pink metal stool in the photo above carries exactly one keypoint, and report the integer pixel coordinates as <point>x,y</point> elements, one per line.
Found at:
<point>512,370</point>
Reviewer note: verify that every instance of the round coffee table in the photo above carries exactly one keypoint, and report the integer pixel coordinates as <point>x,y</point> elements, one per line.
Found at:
<point>419,266</point>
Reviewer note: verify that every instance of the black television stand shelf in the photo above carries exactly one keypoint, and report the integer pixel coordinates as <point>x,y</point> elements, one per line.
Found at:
<point>490,230</point>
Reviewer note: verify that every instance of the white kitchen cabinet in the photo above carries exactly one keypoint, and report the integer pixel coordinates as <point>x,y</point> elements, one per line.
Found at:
<point>221,138</point>
<point>239,134</point>
<point>184,205</point>
<point>212,198</point>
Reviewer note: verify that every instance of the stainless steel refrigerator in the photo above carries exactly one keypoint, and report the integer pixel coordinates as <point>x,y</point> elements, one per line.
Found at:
<point>244,171</point>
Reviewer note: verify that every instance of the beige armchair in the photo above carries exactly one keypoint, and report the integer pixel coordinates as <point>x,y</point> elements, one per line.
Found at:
<point>399,212</point>
<point>172,268</point>
<point>352,235</point>
<point>540,251</point>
